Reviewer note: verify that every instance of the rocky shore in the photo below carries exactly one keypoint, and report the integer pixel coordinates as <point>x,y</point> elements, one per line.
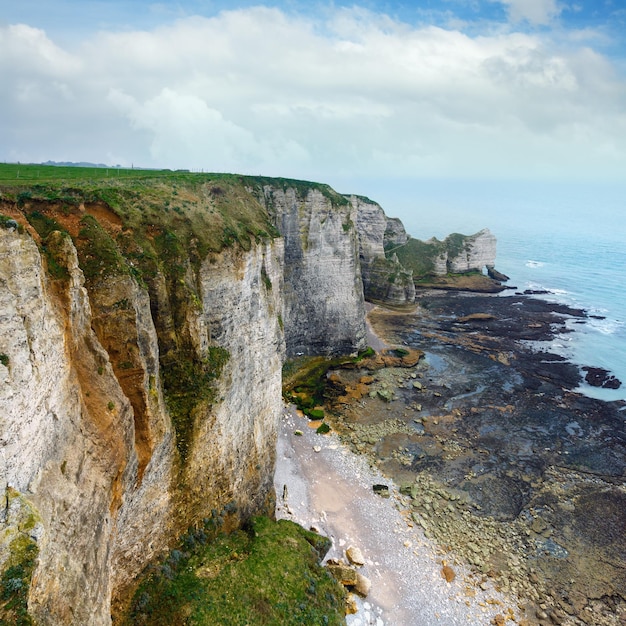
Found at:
<point>496,457</point>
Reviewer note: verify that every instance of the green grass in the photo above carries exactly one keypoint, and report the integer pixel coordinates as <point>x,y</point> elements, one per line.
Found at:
<point>15,583</point>
<point>18,569</point>
<point>267,574</point>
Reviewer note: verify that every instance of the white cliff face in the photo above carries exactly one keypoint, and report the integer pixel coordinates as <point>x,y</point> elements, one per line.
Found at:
<point>36,383</point>
<point>231,454</point>
<point>232,457</point>
<point>64,447</point>
<point>371,224</point>
<point>87,442</point>
<point>395,235</point>
<point>477,252</point>
<point>323,308</point>
<point>384,278</point>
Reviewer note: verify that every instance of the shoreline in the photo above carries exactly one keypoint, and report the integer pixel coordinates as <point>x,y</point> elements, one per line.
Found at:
<point>516,515</point>
<point>321,484</point>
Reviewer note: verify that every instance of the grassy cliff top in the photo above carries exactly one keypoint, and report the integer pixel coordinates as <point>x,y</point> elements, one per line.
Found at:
<point>215,209</point>
<point>92,179</point>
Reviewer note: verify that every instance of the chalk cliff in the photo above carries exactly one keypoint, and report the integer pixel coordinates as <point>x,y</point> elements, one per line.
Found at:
<point>384,278</point>
<point>323,305</point>
<point>140,378</point>
<point>456,254</point>
<point>143,328</point>
<point>87,438</point>
<point>470,252</point>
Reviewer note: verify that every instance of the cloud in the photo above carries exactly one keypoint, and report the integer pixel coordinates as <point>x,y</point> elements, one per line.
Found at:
<point>183,124</point>
<point>261,91</point>
<point>534,11</point>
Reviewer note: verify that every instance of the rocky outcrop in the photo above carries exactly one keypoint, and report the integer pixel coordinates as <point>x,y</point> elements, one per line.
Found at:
<point>395,234</point>
<point>141,349</point>
<point>323,306</point>
<point>471,252</point>
<point>456,254</point>
<point>87,437</point>
<point>384,278</point>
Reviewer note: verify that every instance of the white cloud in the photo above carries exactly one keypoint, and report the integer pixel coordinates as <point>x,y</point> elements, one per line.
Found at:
<point>28,50</point>
<point>533,11</point>
<point>259,91</point>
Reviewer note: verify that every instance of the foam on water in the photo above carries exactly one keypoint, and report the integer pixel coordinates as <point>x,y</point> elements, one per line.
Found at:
<point>581,272</point>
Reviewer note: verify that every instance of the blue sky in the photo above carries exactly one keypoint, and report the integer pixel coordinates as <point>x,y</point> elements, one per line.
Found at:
<point>367,96</point>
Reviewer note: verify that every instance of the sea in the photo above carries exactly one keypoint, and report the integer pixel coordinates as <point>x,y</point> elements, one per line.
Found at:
<point>568,240</point>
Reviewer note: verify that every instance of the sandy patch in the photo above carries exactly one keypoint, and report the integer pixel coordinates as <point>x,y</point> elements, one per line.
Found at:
<point>331,491</point>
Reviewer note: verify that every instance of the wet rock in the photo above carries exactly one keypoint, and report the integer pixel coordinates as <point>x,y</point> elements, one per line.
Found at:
<point>385,394</point>
<point>599,377</point>
<point>476,317</point>
<point>492,272</point>
<point>381,490</point>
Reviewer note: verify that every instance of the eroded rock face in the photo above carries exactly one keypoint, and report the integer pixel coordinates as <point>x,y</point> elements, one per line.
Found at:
<point>384,278</point>
<point>323,309</point>
<point>395,234</point>
<point>67,433</point>
<point>87,439</point>
<point>474,252</point>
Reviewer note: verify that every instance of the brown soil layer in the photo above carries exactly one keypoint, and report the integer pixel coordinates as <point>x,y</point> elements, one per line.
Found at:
<point>502,461</point>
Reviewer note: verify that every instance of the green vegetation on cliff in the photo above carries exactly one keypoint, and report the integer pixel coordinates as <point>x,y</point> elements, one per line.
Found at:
<point>268,573</point>
<point>419,256</point>
<point>187,384</point>
<point>18,569</point>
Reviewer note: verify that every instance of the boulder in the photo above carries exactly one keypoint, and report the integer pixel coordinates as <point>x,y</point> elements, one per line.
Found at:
<point>342,572</point>
<point>381,490</point>
<point>492,272</point>
<point>362,585</point>
<point>355,556</point>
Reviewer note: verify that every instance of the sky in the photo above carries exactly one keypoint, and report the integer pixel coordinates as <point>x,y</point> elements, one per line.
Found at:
<point>381,98</point>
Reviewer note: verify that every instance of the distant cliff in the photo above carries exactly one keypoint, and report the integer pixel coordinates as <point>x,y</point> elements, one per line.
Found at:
<point>456,254</point>
<point>323,304</point>
<point>384,278</point>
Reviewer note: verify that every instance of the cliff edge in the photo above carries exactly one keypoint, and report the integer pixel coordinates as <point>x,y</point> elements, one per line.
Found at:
<point>143,328</point>
<point>144,322</point>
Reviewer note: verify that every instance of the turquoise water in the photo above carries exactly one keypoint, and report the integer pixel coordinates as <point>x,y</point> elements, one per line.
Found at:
<point>584,272</point>
<point>568,240</point>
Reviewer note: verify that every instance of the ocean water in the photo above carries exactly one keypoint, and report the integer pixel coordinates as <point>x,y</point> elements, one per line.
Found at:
<point>582,271</point>
<point>569,240</point>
